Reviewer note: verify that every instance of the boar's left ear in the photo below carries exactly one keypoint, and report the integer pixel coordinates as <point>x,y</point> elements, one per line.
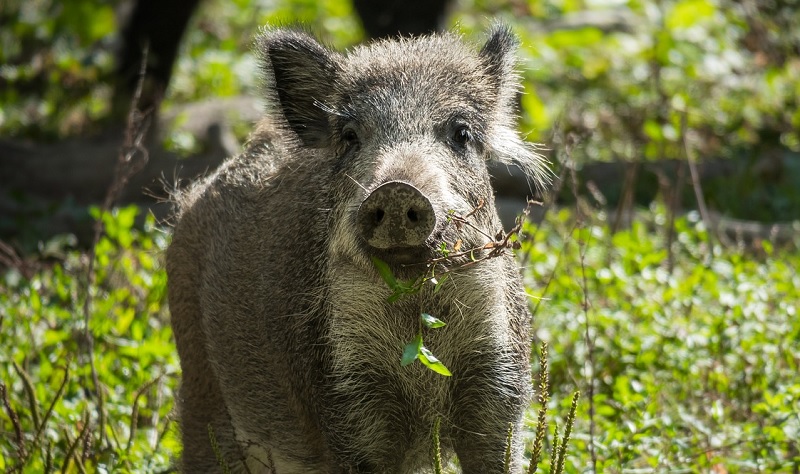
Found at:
<point>505,144</point>
<point>499,56</point>
<point>300,75</point>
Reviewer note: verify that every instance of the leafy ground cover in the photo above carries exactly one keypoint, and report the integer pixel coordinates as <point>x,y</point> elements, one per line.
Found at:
<point>688,366</point>
<point>89,394</point>
<point>683,367</point>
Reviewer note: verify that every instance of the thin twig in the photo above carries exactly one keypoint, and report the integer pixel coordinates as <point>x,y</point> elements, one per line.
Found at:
<point>543,397</point>
<point>155,417</point>
<point>59,394</point>
<point>72,445</point>
<point>568,170</point>
<point>463,220</point>
<point>161,434</point>
<point>86,436</point>
<point>698,190</point>
<point>626,201</point>
<point>553,272</point>
<point>40,429</point>
<point>480,205</point>
<point>30,393</point>
<point>12,415</point>
<point>48,458</point>
<point>590,343</point>
<point>672,209</point>
<point>135,410</point>
<point>546,206</point>
<point>10,258</point>
<point>496,248</point>
<point>138,123</point>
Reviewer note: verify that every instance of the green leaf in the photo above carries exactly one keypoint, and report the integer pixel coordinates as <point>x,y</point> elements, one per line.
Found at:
<point>438,283</point>
<point>386,273</point>
<point>36,302</point>
<point>411,351</point>
<point>398,293</point>
<point>430,361</point>
<point>688,13</point>
<point>431,321</point>
<point>399,288</point>
<point>411,286</point>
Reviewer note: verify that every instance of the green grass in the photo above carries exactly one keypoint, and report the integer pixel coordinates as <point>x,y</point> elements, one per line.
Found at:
<point>693,369</point>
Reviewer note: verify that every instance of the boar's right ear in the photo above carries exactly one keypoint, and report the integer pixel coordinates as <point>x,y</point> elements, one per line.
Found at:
<point>300,74</point>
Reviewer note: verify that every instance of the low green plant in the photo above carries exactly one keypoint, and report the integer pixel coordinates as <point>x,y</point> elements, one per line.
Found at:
<point>559,445</point>
<point>558,453</point>
<point>57,413</point>
<point>694,364</point>
<point>212,439</point>
<point>690,366</point>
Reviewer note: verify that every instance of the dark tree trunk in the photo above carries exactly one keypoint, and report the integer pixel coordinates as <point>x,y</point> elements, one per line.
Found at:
<point>158,26</point>
<point>382,19</point>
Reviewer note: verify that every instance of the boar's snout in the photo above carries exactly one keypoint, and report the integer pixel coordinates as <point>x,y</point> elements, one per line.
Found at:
<point>396,215</point>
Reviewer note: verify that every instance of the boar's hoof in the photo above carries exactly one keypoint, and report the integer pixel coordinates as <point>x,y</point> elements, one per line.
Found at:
<point>396,214</point>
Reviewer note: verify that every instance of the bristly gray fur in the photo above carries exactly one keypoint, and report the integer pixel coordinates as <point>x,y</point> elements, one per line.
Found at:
<point>289,348</point>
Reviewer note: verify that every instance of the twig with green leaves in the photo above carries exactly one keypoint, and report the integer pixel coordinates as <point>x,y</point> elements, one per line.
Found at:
<point>14,417</point>
<point>415,349</point>
<point>447,263</point>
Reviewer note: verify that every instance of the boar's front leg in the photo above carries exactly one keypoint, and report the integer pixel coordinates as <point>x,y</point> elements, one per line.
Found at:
<point>486,400</point>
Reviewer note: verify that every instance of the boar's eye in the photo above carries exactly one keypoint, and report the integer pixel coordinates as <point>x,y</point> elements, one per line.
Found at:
<point>349,136</point>
<point>462,135</point>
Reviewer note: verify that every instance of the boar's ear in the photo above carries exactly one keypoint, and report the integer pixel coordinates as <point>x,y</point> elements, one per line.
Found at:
<point>499,56</point>
<point>300,74</point>
<point>505,144</point>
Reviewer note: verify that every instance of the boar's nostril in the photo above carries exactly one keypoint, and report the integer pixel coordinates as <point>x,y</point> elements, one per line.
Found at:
<point>395,214</point>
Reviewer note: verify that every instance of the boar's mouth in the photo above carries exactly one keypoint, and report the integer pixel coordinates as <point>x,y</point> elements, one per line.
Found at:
<point>410,258</point>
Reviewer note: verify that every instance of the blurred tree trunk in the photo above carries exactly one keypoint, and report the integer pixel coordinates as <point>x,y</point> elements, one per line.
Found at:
<point>382,19</point>
<point>154,28</point>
